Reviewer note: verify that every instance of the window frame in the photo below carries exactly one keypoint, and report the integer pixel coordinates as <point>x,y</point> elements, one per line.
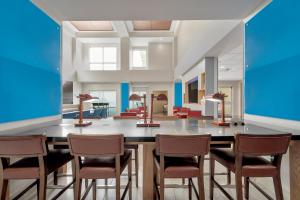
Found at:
<point>131,58</point>
<point>103,46</point>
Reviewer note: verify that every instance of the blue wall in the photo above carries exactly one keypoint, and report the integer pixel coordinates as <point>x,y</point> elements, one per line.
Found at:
<point>124,96</point>
<point>30,83</point>
<point>272,58</point>
<point>178,94</point>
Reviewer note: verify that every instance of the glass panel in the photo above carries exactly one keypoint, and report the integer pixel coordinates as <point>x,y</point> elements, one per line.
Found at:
<point>139,58</point>
<point>110,55</point>
<point>110,97</point>
<point>96,55</point>
<point>96,66</point>
<point>110,66</point>
<point>107,97</point>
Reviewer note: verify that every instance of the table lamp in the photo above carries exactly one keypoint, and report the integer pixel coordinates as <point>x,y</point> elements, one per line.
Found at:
<point>219,98</point>
<point>135,97</point>
<point>160,97</point>
<point>83,98</point>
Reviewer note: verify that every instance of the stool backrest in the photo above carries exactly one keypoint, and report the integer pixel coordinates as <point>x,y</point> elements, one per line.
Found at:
<point>262,145</point>
<point>23,146</point>
<point>95,145</point>
<point>190,145</point>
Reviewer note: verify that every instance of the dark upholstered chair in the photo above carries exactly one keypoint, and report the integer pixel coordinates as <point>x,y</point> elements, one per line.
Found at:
<point>35,161</point>
<point>180,157</point>
<point>246,160</point>
<point>100,157</point>
<point>135,148</point>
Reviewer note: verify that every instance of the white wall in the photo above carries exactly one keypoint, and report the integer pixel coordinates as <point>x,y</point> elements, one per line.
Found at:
<point>160,56</point>
<point>160,60</point>
<point>196,38</point>
<point>68,53</point>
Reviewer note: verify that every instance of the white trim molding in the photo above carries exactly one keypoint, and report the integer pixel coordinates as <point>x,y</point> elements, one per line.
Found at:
<point>284,125</point>
<point>24,125</point>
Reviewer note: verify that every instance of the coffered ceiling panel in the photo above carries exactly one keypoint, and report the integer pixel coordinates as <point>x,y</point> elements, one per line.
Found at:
<point>152,25</point>
<point>93,25</point>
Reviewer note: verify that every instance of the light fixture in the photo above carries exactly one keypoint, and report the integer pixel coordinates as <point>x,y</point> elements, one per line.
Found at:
<point>219,98</point>
<point>84,98</point>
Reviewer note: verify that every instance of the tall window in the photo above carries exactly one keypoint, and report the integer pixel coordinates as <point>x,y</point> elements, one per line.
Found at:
<point>103,58</point>
<point>139,57</point>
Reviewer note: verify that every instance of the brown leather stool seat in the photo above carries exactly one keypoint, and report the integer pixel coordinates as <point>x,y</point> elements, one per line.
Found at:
<point>33,161</point>
<point>248,159</point>
<point>131,146</point>
<point>28,168</point>
<point>180,156</point>
<point>104,167</point>
<point>179,167</point>
<point>100,157</point>
<point>252,165</point>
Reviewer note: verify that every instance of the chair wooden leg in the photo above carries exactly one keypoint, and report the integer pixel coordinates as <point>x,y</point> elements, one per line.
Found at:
<point>3,189</point>
<point>130,179</point>
<point>154,181</point>
<point>239,186</point>
<point>94,189</point>
<point>190,189</point>
<point>246,180</point>
<point>201,187</point>
<point>55,174</point>
<point>78,184</point>
<point>136,157</point>
<point>118,188</point>
<point>212,175</point>
<point>228,177</point>
<point>278,187</point>
<point>162,188</point>
<point>42,187</point>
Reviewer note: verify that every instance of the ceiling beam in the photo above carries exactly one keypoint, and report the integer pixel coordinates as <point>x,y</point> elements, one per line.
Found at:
<point>96,34</point>
<point>121,28</point>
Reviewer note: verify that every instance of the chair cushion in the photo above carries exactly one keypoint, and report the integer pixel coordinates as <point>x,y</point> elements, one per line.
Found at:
<point>28,168</point>
<point>179,167</point>
<point>252,166</point>
<point>131,146</point>
<point>103,167</point>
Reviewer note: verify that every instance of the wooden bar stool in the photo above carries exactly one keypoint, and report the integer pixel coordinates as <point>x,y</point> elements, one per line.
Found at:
<point>246,160</point>
<point>180,157</point>
<point>35,161</point>
<point>135,148</point>
<point>100,157</point>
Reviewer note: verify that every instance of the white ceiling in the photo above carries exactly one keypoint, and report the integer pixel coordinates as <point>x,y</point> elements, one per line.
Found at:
<point>231,64</point>
<point>71,10</point>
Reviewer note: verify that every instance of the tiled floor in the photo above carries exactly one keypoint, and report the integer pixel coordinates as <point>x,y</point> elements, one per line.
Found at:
<point>170,194</point>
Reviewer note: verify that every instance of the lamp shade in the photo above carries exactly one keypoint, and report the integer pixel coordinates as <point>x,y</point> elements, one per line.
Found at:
<point>217,97</point>
<point>162,97</point>
<point>135,97</point>
<point>86,97</point>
